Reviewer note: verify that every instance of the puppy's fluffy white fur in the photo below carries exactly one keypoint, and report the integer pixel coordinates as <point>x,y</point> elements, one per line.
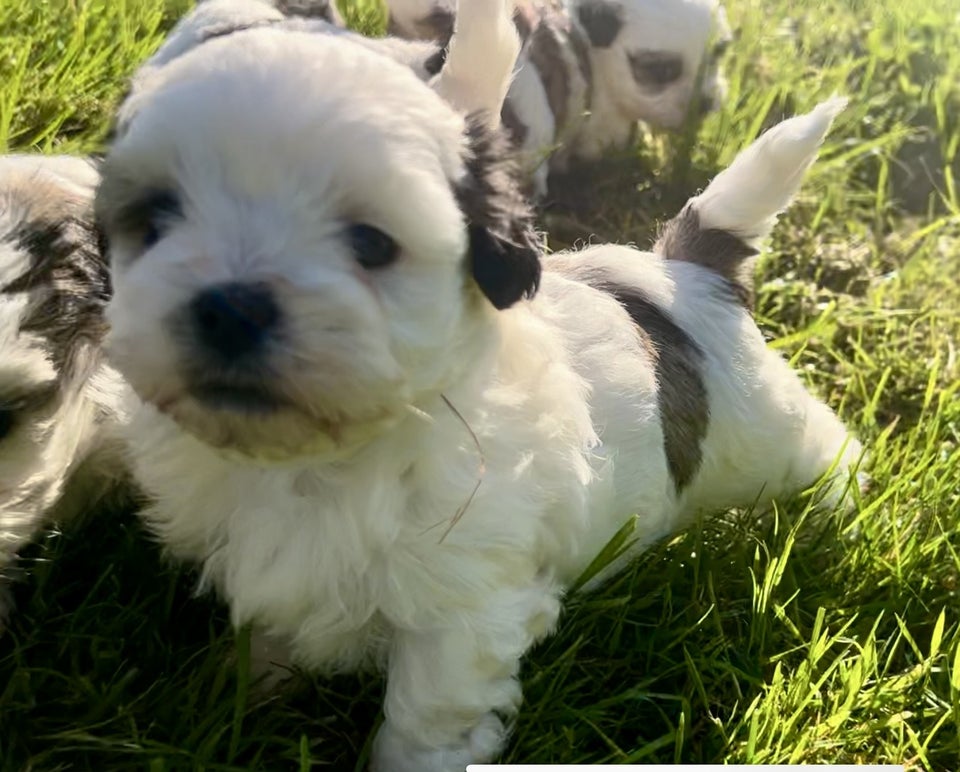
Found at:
<point>410,461</point>
<point>58,398</point>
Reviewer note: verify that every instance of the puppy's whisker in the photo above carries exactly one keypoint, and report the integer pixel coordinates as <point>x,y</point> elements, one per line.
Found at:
<point>481,469</point>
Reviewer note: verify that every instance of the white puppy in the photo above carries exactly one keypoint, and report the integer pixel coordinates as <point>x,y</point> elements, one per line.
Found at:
<point>217,18</point>
<point>58,399</point>
<point>652,61</point>
<point>591,69</point>
<point>378,440</point>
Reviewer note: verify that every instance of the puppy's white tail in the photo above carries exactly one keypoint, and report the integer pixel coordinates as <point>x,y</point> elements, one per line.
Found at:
<point>746,198</point>
<point>721,227</point>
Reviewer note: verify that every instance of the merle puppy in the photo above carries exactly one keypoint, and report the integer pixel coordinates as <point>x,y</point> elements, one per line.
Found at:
<point>59,400</point>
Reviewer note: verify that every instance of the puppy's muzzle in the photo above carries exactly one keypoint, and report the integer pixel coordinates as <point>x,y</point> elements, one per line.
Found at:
<point>229,328</point>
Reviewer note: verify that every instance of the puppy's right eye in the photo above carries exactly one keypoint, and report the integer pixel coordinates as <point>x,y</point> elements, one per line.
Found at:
<point>149,218</point>
<point>372,247</point>
<point>656,70</point>
<point>6,422</point>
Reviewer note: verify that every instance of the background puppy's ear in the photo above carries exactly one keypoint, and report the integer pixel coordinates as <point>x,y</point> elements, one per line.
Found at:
<point>601,20</point>
<point>504,245</point>
<point>480,58</point>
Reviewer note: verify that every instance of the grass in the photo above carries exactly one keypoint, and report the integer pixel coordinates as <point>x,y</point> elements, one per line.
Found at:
<point>786,639</point>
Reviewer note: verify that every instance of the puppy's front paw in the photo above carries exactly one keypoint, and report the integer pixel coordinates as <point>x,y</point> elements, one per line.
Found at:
<point>392,752</point>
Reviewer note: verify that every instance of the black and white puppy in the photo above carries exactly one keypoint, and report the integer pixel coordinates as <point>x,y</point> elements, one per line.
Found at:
<point>59,400</point>
<point>591,69</point>
<point>357,413</point>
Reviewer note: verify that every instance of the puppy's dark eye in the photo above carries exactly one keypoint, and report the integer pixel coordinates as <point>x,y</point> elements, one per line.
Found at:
<point>656,69</point>
<point>372,247</point>
<point>434,63</point>
<point>149,217</point>
<point>6,422</point>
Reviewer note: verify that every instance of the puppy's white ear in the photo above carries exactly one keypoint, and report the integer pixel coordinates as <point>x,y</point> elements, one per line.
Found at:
<point>480,59</point>
<point>505,247</point>
<point>747,196</point>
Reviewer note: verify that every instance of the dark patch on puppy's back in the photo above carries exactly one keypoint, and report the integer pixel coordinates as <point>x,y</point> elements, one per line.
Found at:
<point>720,251</point>
<point>678,361</point>
<point>545,51</point>
<point>558,50</point>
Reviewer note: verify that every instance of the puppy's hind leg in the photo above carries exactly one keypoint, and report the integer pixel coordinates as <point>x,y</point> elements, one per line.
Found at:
<point>819,449</point>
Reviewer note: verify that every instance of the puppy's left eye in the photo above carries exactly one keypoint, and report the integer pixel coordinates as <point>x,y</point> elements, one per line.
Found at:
<point>656,69</point>
<point>371,246</point>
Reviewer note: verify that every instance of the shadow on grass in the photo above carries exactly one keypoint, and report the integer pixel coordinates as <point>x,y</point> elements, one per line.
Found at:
<point>110,663</point>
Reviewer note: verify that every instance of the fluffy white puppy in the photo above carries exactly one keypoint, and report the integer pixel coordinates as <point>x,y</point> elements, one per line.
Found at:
<point>58,399</point>
<point>217,18</point>
<point>380,443</point>
<point>591,69</point>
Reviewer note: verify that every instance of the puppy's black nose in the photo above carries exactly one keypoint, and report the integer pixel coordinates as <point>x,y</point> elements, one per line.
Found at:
<point>234,319</point>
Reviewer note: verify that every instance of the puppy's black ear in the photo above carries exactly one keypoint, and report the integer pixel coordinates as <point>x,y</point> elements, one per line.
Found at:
<point>504,245</point>
<point>601,20</point>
